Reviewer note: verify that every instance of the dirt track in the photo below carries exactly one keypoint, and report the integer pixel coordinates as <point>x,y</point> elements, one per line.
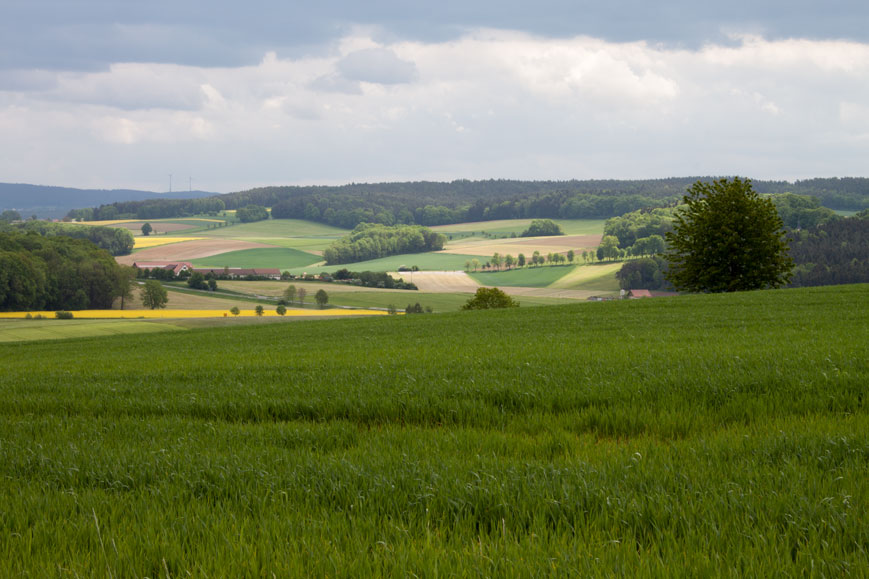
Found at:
<point>187,250</point>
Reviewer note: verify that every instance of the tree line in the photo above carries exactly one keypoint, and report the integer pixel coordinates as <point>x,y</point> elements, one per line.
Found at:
<point>115,240</point>
<point>58,273</point>
<point>372,241</point>
<point>434,203</point>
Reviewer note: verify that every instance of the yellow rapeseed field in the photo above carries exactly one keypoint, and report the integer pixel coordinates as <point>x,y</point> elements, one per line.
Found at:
<point>154,241</point>
<point>149,314</point>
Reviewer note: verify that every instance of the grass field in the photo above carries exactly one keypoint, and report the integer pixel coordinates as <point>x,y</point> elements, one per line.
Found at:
<point>425,261</point>
<point>523,277</point>
<point>361,297</point>
<point>282,258</point>
<point>718,435</point>
<point>596,276</point>
<point>278,228</point>
<point>27,330</point>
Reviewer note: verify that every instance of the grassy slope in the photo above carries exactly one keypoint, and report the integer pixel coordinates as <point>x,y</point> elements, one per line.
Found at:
<point>523,277</point>
<point>27,330</point>
<point>291,233</point>
<point>341,295</point>
<point>425,261</point>
<point>282,258</point>
<point>702,435</point>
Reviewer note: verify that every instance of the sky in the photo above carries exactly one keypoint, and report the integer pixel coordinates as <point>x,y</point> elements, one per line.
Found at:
<point>226,96</point>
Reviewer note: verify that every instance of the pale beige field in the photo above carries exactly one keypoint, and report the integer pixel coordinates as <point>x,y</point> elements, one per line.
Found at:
<point>440,281</point>
<point>188,250</point>
<point>526,245</point>
<point>157,240</point>
<point>157,227</point>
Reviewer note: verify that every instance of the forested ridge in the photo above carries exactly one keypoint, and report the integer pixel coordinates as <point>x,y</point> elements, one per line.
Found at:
<point>439,203</point>
<point>115,240</point>
<point>55,273</point>
<point>836,252</point>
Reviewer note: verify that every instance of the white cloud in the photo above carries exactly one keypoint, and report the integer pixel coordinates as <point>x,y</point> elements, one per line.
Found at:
<point>489,104</point>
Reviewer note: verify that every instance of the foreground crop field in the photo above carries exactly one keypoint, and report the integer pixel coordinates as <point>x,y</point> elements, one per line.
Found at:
<point>695,436</point>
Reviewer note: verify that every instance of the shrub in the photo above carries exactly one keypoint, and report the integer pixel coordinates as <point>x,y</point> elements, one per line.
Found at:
<point>63,315</point>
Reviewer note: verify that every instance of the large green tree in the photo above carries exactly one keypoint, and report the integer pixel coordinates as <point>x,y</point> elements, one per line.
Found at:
<point>154,295</point>
<point>727,238</point>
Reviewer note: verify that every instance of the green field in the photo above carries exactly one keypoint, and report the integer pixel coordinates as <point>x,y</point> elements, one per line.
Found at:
<point>280,257</point>
<point>27,330</point>
<point>712,435</point>
<point>278,228</point>
<point>523,276</point>
<point>359,297</point>
<point>424,261</point>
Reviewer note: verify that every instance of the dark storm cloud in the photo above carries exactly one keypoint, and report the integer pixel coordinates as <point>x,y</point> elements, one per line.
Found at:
<point>89,34</point>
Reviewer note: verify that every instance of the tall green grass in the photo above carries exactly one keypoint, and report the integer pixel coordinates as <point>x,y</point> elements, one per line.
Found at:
<point>696,436</point>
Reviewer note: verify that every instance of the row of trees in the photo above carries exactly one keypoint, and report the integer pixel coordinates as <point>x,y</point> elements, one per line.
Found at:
<point>292,293</point>
<point>58,273</point>
<point>371,241</point>
<point>497,261</point>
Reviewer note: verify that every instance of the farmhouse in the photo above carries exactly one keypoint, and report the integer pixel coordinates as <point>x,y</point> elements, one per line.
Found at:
<point>638,293</point>
<point>175,266</point>
<point>236,272</point>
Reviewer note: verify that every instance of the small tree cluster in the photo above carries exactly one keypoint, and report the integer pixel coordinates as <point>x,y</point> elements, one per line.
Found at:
<point>490,298</point>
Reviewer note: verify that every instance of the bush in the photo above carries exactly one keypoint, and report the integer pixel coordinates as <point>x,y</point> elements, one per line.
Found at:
<point>62,315</point>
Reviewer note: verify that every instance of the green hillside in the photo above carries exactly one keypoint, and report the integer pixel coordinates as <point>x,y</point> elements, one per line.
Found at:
<point>710,435</point>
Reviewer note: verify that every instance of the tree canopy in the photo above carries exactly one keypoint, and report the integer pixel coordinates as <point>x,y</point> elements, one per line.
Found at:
<point>490,298</point>
<point>372,241</point>
<point>55,273</point>
<point>542,227</point>
<point>727,238</point>
<point>154,295</point>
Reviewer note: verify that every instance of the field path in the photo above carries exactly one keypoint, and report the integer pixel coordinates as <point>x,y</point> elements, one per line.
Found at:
<point>188,250</point>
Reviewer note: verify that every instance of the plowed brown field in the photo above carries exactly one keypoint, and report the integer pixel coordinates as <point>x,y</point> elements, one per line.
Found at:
<point>188,250</point>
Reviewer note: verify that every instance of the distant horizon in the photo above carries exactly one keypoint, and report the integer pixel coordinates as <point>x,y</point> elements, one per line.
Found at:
<point>98,96</point>
<point>358,182</point>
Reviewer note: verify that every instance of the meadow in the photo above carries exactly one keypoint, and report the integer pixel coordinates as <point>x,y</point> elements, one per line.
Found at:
<point>717,435</point>
<point>283,258</point>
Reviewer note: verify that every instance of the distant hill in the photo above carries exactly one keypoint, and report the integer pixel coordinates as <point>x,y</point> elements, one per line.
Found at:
<point>44,201</point>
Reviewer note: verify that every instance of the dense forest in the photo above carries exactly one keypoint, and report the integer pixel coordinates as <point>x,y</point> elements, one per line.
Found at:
<point>115,240</point>
<point>831,253</point>
<point>372,241</point>
<point>55,273</point>
<point>836,252</point>
<point>434,203</point>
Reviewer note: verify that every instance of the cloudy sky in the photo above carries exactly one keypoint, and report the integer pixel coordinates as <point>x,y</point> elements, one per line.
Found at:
<point>233,95</point>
